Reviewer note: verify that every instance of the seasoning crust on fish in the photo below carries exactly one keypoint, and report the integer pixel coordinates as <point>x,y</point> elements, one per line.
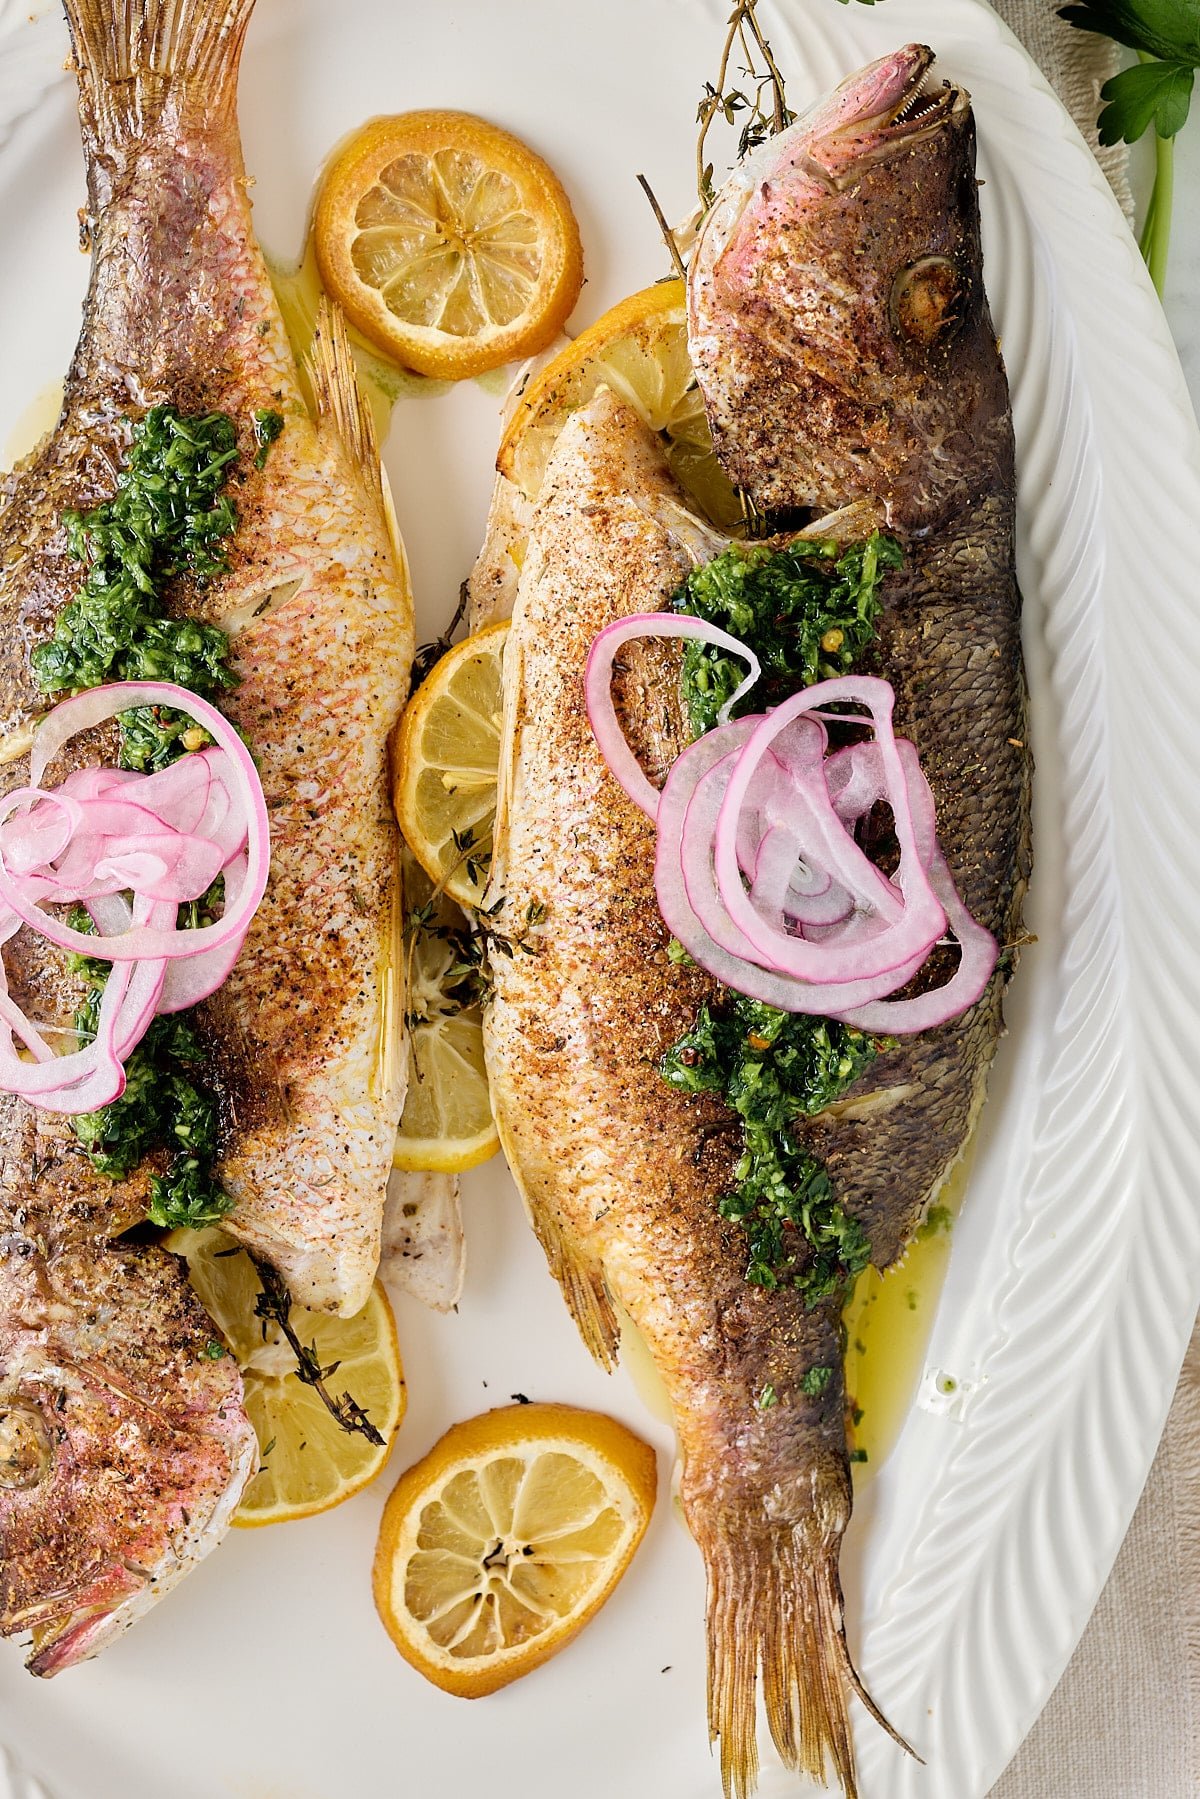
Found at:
<point>303,1036</point>
<point>841,336</point>
<point>125,1413</point>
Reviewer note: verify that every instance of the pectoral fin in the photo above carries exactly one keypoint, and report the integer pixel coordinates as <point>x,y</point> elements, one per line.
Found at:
<point>580,1276</point>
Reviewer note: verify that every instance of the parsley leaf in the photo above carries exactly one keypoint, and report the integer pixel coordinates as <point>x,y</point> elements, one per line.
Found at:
<point>1167,29</point>
<point>1157,93</point>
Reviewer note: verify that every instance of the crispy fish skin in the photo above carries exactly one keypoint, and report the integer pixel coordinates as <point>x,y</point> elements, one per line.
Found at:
<point>180,310</point>
<point>840,331</point>
<point>621,1174</point>
<point>124,1448</point>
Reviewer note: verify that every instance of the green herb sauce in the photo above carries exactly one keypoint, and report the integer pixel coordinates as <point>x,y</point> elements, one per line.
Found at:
<point>169,517</point>
<point>267,426</point>
<point>808,611</point>
<point>774,1068</point>
<point>162,1107</point>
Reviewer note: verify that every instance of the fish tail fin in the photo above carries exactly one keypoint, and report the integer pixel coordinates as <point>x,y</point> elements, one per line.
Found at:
<point>131,55</point>
<point>775,1611</point>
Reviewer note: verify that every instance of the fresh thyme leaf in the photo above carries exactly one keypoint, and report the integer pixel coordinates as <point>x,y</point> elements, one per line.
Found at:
<point>431,653</point>
<point>759,120</point>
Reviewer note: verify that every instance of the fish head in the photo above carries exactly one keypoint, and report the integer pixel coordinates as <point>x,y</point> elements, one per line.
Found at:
<point>123,1443</point>
<point>837,318</point>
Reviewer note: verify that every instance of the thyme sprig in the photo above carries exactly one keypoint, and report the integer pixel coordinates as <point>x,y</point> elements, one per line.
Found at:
<point>274,1306</point>
<point>762,110</point>
<point>429,654</point>
<point>473,947</point>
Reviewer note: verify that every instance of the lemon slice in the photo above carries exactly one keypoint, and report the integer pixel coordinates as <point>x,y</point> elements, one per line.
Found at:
<point>639,349</point>
<point>446,757</point>
<point>497,1547</point>
<point>309,1463</point>
<point>448,242</point>
<point>447,1124</point>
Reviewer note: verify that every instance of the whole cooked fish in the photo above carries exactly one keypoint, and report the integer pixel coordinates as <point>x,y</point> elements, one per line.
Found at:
<point>842,339</point>
<point>181,310</point>
<point>101,1341</point>
<point>124,1448</point>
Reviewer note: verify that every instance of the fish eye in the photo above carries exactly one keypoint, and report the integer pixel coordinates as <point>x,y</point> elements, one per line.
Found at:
<point>924,300</point>
<point>25,1448</point>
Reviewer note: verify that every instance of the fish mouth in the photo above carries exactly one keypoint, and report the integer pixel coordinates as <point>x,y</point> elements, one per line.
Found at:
<point>881,112</point>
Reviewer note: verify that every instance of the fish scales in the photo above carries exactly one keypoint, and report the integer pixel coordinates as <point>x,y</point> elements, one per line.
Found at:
<point>300,1042</point>
<point>180,310</point>
<point>883,384</point>
<point>621,1173</point>
<point>840,332</point>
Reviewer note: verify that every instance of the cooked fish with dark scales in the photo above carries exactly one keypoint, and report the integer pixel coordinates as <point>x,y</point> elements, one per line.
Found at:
<point>299,1049</point>
<point>842,339</point>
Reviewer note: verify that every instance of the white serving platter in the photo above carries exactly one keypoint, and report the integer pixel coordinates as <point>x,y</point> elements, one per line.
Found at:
<point>979,1549</point>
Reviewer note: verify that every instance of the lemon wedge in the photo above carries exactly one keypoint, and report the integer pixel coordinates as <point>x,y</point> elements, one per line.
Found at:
<point>447,1124</point>
<point>448,242</point>
<point>639,349</point>
<point>501,1543</point>
<point>309,1463</point>
<point>447,752</point>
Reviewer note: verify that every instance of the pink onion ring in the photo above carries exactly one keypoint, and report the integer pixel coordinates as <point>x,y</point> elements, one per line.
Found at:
<point>142,942</point>
<point>163,839</point>
<point>757,869</point>
<point>597,682</point>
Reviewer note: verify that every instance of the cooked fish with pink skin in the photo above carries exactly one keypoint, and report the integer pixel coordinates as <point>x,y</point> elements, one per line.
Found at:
<point>123,1445</point>
<point>304,1036</point>
<point>842,339</point>
<point>124,1448</point>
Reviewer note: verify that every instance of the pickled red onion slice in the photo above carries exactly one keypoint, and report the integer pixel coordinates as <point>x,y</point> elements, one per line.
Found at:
<point>104,834</point>
<point>758,871</point>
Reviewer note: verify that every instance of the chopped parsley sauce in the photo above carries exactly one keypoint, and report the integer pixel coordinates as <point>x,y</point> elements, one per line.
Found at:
<point>774,1068</point>
<point>808,611</point>
<point>169,517</point>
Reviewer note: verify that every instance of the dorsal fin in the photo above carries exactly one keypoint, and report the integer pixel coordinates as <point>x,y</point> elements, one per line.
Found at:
<point>339,400</point>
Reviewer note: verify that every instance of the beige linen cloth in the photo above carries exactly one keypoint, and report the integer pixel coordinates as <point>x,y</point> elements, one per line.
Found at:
<point>1124,1723</point>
